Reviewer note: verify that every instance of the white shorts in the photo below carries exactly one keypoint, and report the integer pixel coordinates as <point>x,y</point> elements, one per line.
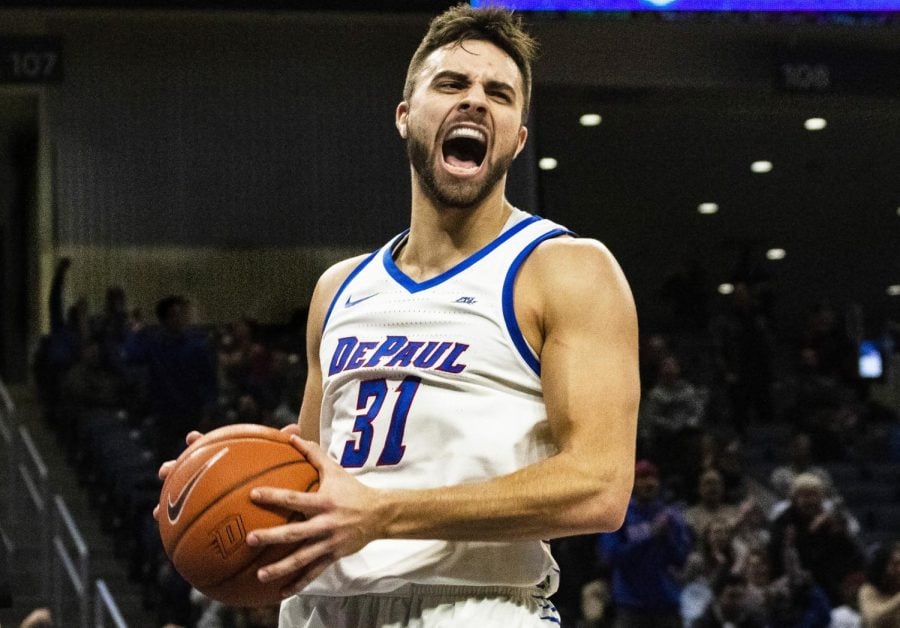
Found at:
<point>423,606</point>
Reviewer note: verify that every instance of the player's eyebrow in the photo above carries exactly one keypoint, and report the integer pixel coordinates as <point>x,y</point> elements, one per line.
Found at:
<point>490,85</point>
<point>450,74</point>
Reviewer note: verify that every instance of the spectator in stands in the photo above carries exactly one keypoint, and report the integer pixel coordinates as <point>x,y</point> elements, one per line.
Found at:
<point>92,382</point>
<point>643,555</point>
<point>826,335</point>
<point>846,614</point>
<point>752,527</point>
<point>245,361</point>
<point>181,374</point>
<point>823,406</point>
<point>730,607</point>
<point>717,551</point>
<point>672,412</point>
<point>717,554</point>
<point>879,595</point>
<point>284,392</point>
<point>110,327</point>
<point>744,347</point>
<point>800,460</point>
<point>825,547</point>
<point>794,600</point>
<point>757,574</point>
<point>791,601</point>
<point>61,349</point>
<point>596,605</point>
<point>711,505</point>
<point>782,479</point>
<point>730,463</point>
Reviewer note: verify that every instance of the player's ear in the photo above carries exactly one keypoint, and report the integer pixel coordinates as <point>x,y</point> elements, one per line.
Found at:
<point>523,136</point>
<point>400,118</point>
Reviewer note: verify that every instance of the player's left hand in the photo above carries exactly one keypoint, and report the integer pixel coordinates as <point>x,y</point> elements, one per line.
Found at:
<point>340,519</point>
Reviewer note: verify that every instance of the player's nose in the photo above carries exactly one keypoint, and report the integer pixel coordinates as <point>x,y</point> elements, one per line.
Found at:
<point>474,100</point>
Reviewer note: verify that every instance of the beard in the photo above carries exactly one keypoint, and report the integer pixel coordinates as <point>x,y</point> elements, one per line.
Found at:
<point>454,194</point>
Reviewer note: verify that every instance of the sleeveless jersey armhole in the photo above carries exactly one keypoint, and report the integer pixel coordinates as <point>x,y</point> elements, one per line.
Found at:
<point>509,313</point>
<point>343,285</point>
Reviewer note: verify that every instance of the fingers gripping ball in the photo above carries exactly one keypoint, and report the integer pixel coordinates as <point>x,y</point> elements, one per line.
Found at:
<point>206,511</point>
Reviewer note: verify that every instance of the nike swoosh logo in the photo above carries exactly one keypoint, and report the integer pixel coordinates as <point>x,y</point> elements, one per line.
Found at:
<point>350,302</point>
<point>173,509</point>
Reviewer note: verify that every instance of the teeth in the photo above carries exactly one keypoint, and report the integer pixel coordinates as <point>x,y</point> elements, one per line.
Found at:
<point>464,131</point>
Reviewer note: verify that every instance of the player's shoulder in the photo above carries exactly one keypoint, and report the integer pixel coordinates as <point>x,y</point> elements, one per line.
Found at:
<point>566,276</point>
<point>573,256</point>
<point>330,282</point>
<point>337,273</point>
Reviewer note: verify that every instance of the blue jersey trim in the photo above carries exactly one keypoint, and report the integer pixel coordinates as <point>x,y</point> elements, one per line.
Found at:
<point>414,286</point>
<point>349,278</point>
<point>509,313</point>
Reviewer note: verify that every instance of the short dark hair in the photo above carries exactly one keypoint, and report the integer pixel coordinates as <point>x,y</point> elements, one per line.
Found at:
<point>461,23</point>
<point>163,306</point>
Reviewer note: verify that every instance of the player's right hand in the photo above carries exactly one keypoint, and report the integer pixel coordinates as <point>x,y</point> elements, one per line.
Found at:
<point>166,468</point>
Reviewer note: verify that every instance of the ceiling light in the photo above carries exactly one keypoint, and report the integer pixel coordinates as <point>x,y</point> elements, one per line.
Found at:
<point>726,288</point>
<point>775,254</point>
<point>590,119</point>
<point>761,166</point>
<point>894,290</point>
<point>815,124</point>
<point>708,208</point>
<point>547,163</point>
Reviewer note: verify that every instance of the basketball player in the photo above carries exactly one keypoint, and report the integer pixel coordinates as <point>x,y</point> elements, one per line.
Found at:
<point>473,384</point>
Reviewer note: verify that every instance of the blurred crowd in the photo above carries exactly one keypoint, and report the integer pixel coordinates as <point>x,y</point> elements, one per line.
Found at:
<point>735,519</point>
<point>751,430</point>
<point>122,392</point>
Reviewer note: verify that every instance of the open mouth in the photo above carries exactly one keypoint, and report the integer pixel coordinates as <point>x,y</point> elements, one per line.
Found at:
<point>464,148</point>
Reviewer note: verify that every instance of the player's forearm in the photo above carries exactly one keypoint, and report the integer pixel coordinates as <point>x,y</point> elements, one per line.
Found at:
<point>550,499</point>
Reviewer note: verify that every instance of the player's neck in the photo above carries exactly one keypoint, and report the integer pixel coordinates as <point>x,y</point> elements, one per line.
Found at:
<point>441,237</point>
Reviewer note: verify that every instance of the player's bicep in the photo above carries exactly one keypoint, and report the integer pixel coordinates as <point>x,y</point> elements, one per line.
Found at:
<point>589,358</point>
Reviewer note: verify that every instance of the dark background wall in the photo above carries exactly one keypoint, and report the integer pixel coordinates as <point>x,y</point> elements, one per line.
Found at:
<point>231,156</point>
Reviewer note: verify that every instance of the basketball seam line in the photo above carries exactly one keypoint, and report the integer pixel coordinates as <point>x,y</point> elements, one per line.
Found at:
<point>239,483</point>
<point>230,488</point>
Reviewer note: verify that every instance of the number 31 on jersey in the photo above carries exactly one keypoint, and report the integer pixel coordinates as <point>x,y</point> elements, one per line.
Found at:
<point>373,395</point>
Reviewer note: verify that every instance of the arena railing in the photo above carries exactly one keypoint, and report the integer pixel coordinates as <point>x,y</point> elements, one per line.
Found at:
<point>6,402</point>
<point>34,476</point>
<point>8,431</point>
<point>105,607</point>
<point>68,565</point>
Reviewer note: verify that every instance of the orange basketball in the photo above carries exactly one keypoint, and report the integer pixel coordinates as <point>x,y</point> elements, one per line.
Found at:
<point>205,511</point>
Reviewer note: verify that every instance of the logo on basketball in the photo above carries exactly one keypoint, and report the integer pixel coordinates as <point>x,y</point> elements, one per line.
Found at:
<point>173,509</point>
<point>206,512</point>
<point>229,535</point>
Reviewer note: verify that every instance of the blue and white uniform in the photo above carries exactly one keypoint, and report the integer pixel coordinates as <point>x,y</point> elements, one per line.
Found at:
<point>430,384</point>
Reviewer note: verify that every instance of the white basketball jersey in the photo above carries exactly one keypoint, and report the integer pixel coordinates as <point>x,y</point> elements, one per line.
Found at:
<point>431,384</point>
